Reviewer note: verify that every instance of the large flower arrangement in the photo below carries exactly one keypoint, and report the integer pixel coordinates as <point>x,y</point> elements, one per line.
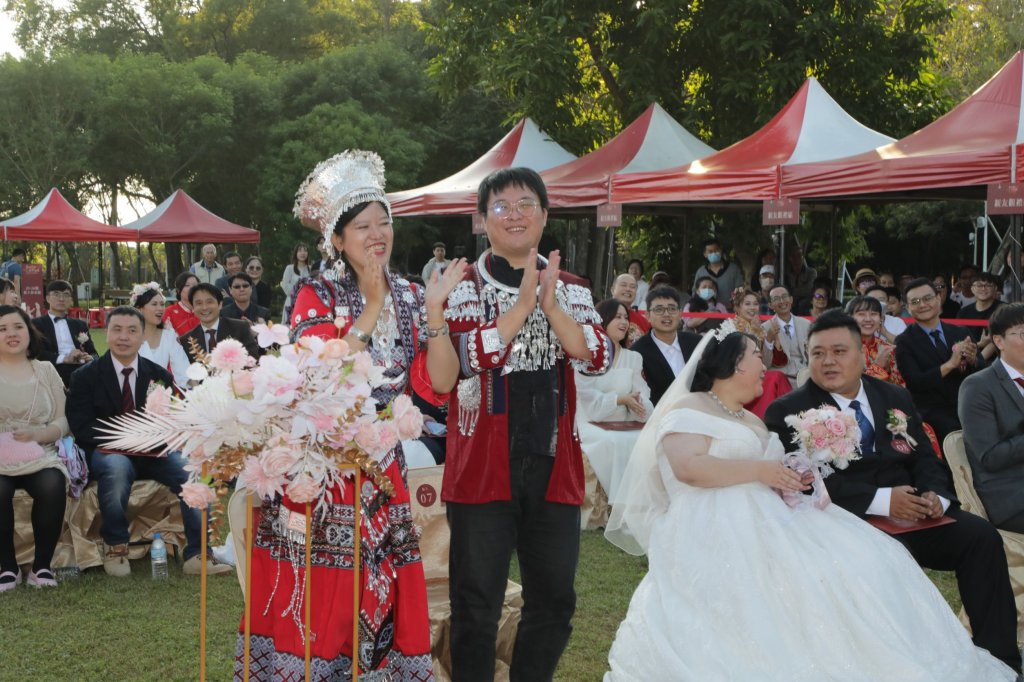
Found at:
<point>297,420</point>
<point>828,439</point>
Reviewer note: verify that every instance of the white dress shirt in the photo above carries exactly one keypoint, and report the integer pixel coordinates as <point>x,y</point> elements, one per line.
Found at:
<point>1014,375</point>
<point>672,352</point>
<point>883,496</point>
<point>133,378</point>
<point>206,333</point>
<point>65,344</point>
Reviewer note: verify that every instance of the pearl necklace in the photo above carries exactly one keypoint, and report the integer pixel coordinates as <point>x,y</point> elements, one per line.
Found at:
<point>738,414</point>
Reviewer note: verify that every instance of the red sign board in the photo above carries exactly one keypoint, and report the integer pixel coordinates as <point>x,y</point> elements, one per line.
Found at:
<point>32,288</point>
<point>781,212</point>
<point>1005,198</point>
<point>478,224</point>
<point>609,215</point>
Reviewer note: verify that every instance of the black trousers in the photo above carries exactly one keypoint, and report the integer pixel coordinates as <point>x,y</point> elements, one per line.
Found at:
<point>973,548</point>
<point>546,537</point>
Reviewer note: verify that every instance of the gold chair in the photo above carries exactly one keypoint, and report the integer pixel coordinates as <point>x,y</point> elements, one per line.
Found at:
<point>1013,543</point>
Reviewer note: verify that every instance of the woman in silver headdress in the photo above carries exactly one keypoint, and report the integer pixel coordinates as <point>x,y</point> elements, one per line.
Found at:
<point>402,327</point>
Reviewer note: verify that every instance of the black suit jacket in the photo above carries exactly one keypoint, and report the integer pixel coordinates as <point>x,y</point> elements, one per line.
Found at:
<point>96,394</point>
<point>657,372</point>
<point>992,413</point>
<point>854,488</point>
<point>919,360</point>
<point>251,314</point>
<point>49,351</point>
<point>227,328</point>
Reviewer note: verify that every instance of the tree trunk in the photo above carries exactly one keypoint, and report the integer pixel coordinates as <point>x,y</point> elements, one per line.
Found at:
<point>158,276</point>
<point>175,264</point>
<point>115,254</point>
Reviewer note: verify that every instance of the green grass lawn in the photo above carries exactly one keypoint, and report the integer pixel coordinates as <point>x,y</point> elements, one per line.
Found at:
<point>99,628</point>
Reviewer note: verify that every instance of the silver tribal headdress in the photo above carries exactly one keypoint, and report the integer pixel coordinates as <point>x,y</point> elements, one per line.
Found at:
<point>336,185</point>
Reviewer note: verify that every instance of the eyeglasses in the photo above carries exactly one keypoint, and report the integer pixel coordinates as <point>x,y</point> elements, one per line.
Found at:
<point>241,286</point>
<point>254,267</point>
<point>820,297</point>
<point>927,298</point>
<point>1019,335</point>
<point>780,299</point>
<point>939,287</point>
<point>984,285</point>
<point>60,294</point>
<point>665,310</point>
<point>504,209</point>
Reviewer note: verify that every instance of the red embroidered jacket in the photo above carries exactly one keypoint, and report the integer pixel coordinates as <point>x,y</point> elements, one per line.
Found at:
<point>477,462</point>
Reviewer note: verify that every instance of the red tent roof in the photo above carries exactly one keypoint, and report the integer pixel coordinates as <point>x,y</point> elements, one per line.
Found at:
<point>810,127</point>
<point>179,218</point>
<point>654,141</point>
<point>525,145</point>
<point>55,220</point>
<point>980,141</point>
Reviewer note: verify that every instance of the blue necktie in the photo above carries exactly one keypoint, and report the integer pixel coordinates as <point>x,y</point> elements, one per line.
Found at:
<point>867,432</point>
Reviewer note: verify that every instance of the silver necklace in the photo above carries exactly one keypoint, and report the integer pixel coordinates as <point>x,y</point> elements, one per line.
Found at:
<point>738,414</point>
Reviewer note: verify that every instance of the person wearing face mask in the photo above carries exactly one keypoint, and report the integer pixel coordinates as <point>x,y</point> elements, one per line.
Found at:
<point>705,298</point>
<point>727,275</point>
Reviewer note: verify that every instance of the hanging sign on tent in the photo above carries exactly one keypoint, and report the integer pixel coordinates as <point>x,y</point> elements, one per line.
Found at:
<point>781,212</point>
<point>478,224</point>
<point>1005,198</point>
<point>609,215</point>
<point>32,288</point>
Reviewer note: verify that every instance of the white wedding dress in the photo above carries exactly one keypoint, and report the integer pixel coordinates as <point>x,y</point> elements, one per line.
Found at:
<point>742,587</point>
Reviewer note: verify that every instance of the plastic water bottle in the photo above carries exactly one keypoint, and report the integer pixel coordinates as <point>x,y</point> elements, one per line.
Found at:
<point>158,558</point>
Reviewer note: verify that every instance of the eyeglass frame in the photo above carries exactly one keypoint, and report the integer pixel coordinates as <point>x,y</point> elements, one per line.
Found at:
<point>927,298</point>
<point>664,310</point>
<point>526,207</point>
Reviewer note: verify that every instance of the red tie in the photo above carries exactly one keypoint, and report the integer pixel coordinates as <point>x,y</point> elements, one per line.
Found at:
<point>127,399</point>
<point>1020,382</point>
<point>211,339</point>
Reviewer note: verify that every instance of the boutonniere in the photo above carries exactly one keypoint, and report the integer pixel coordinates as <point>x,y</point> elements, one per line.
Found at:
<point>896,423</point>
<point>83,337</point>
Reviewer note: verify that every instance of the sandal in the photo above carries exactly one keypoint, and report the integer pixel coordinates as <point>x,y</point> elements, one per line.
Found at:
<point>9,580</point>
<point>41,578</point>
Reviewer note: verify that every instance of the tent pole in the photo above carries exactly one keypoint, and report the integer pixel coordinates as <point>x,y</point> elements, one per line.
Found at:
<point>611,260</point>
<point>1015,229</point>
<point>833,245</point>
<point>138,261</point>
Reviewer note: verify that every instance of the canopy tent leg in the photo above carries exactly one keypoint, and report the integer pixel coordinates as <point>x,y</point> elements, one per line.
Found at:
<point>1015,229</point>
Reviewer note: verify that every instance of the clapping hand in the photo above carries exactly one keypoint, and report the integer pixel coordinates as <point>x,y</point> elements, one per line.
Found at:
<point>969,350</point>
<point>373,282</point>
<point>773,331</point>
<point>633,403</point>
<point>441,285</point>
<point>548,284</point>
<point>528,287</point>
<point>884,354</point>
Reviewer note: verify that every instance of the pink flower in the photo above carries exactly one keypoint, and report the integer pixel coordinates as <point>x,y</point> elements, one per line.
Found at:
<point>410,424</point>
<point>368,439</point>
<point>198,495</point>
<point>334,350</point>
<point>388,435</point>
<point>269,334</point>
<point>303,489</point>
<point>158,400</point>
<point>361,365</point>
<point>836,426</point>
<point>256,479</point>
<point>819,443</point>
<point>278,460</point>
<point>242,383</point>
<point>229,355</point>
<point>818,431</point>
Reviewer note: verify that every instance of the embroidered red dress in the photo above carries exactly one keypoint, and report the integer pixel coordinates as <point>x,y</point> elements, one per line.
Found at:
<point>394,640</point>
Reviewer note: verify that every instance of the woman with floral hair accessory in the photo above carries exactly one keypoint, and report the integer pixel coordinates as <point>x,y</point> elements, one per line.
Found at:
<point>360,300</point>
<point>161,342</point>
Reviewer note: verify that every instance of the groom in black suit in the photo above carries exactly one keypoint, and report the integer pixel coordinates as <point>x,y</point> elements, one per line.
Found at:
<point>67,344</point>
<point>898,479</point>
<point>665,349</point>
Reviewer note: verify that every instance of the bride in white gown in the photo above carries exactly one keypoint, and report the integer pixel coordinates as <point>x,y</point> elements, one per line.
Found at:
<point>742,587</point>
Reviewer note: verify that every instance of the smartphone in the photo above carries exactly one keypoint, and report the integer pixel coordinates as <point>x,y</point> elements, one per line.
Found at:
<point>436,428</point>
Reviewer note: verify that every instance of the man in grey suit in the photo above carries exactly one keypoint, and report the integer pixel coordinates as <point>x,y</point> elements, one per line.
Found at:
<point>991,410</point>
<point>787,331</point>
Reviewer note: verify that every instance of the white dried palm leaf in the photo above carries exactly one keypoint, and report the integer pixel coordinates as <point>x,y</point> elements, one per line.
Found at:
<point>142,432</point>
